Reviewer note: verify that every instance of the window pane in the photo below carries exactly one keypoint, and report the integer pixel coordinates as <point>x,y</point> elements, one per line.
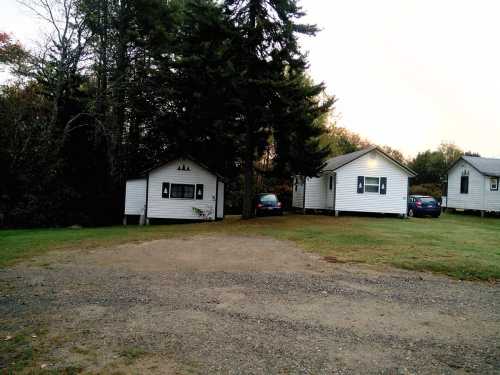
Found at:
<point>182,191</point>
<point>371,180</point>
<point>176,191</point>
<point>371,188</point>
<point>428,200</point>
<point>188,191</point>
<point>268,198</point>
<point>464,185</point>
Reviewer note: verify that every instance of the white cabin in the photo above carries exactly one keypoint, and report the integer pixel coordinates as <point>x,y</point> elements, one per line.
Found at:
<point>473,184</point>
<point>363,181</point>
<point>180,189</point>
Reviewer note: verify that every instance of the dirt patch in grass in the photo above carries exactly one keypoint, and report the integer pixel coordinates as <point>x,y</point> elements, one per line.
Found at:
<point>204,253</point>
<point>240,304</point>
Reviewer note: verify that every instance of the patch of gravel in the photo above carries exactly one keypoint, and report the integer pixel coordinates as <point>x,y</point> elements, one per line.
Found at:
<point>241,305</point>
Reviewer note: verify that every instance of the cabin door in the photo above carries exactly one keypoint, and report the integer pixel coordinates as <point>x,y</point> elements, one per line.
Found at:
<point>334,190</point>
<point>330,192</point>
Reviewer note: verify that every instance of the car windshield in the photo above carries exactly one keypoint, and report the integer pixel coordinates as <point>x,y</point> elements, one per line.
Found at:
<point>427,200</point>
<point>268,198</point>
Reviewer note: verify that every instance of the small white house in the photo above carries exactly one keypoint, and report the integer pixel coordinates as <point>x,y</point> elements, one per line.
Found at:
<point>473,185</point>
<point>179,189</point>
<point>363,181</point>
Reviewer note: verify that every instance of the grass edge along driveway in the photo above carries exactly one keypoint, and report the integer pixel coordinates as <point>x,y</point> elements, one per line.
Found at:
<point>461,246</point>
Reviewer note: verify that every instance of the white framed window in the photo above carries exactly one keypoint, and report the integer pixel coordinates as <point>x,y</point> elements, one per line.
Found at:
<point>494,183</point>
<point>372,184</point>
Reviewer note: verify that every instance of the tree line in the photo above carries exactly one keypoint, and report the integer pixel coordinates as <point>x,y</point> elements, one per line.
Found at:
<point>118,86</point>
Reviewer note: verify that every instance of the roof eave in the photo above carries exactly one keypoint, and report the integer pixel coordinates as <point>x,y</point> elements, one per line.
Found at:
<point>468,162</point>
<point>411,172</point>
<point>188,157</point>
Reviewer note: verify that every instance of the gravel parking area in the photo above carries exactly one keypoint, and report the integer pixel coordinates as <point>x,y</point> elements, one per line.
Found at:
<point>244,305</point>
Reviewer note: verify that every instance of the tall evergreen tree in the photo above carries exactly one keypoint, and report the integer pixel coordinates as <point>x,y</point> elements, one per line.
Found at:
<point>199,85</point>
<point>270,62</point>
<point>299,109</point>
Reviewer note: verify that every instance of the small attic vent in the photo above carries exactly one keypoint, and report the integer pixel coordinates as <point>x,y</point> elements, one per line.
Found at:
<point>183,168</point>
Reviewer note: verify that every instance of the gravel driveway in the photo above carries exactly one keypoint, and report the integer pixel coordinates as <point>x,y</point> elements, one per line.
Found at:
<point>245,305</point>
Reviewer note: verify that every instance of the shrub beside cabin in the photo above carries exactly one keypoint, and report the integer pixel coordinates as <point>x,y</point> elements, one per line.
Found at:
<point>473,185</point>
<point>182,189</point>
<point>363,181</point>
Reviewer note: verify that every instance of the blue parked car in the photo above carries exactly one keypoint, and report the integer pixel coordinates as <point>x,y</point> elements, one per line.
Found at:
<point>422,205</point>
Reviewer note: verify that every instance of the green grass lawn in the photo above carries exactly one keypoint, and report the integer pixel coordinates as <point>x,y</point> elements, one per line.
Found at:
<point>458,245</point>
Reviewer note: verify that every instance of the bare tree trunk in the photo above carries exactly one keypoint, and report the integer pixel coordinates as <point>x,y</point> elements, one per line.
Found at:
<point>119,82</point>
<point>102,70</point>
<point>65,49</point>
<point>248,194</point>
<point>248,162</point>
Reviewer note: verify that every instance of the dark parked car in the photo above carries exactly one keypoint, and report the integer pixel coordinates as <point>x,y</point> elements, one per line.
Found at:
<point>268,204</point>
<point>421,205</point>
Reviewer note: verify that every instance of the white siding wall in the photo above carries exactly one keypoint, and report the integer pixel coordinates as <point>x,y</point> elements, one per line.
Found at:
<point>373,164</point>
<point>159,207</point>
<point>316,192</point>
<point>491,198</point>
<point>474,199</point>
<point>220,200</point>
<point>135,197</point>
<point>298,193</point>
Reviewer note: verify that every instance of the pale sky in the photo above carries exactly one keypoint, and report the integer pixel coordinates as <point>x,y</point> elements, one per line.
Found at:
<point>407,73</point>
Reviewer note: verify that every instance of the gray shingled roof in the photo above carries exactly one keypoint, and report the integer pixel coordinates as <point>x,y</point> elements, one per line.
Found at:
<point>339,161</point>
<point>487,166</point>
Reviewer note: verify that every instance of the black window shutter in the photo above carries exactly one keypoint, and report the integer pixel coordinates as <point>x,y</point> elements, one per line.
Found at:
<point>199,191</point>
<point>383,185</point>
<point>165,190</point>
<point>331,182</point>
<point>361,184</point>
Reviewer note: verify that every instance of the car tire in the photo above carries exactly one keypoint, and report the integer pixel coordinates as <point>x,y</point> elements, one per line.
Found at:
<point>411,213</point>
<point>435,216</point>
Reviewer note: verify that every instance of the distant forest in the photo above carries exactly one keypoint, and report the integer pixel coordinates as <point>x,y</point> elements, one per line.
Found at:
<point>117,86</point>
